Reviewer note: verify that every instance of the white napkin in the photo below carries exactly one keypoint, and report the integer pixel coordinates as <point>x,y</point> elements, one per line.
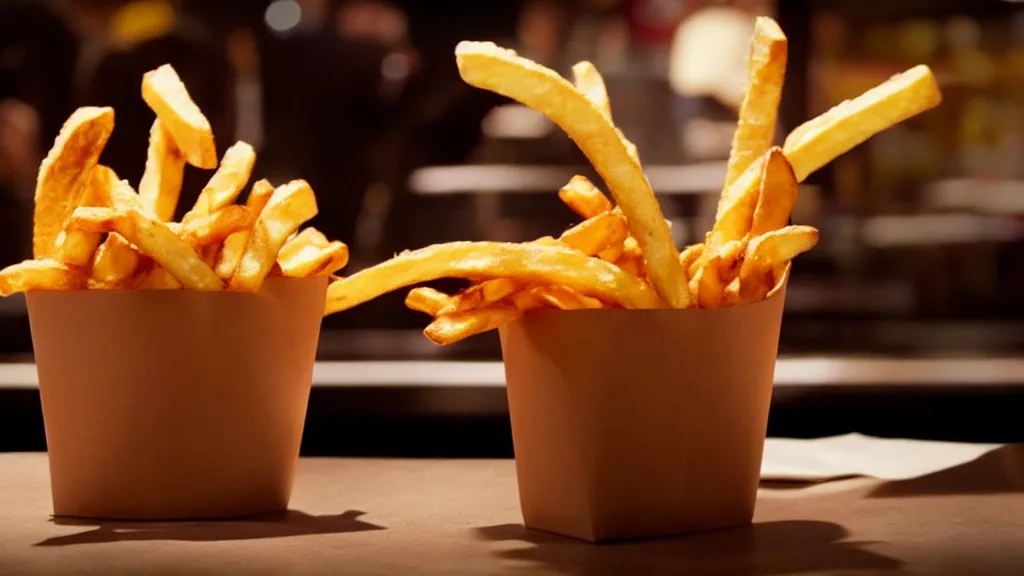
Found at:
<point>822,459</point>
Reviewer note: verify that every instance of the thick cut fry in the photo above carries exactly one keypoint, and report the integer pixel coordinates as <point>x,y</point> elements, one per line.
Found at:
<point>234,245</point>
<point>451,328</point>
<point>213,228</point>
<point>160,186</point>
<point>584,198</point>
<point>75,247</point>
<point>611,253</point>
<point>426,300</point>
<point>158,278</point>
<point>313,261</point>
<point>156,240</point>
<point>65,172</point>
<point>166,95</point>
<point>766,72</point>
<point>523,262</point>
<point>40,275</point>
<point>115,261</point>
<point>480,295</point>
<point>767,253</point>
<point>588,80</point>
<point>563,298</point>
<point>598,233</point>
<point>92,220</point>
<point>777,196</point>
<point>226,183</point>
<point>485,65</point>
<point>819,141</point>
<point>526,300</point>
<point>289,208</point>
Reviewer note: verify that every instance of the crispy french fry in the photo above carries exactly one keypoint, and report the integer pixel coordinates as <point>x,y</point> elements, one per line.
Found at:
<point>689,255</point>
<point>480,295</point>
<point>289,208</point>
<point>158,278</point>
<point>611,253</point>
<point>584,198</point>
<point>819,141</point>
<point>528,263</point>
<point>160,186</point>
<point>75,247</point>
<point>588,80</point>
<point>598,233</point>
<point>777,195</point>
<point>40,275</point>
<point>426,300</point>
<point>313,261</point>
<point>563,298</point>
<point>631,260</point>
<point>65,172</point>
<point>215,227</point>
<point>166,95</point>
<point>115,261</point>
<point>485,65</point>
<point>765,254</point>
<point>450,328</point>
<point>766,72</point>
<point>234,245</point>
<point>226,183</point>
<point>526,300</point>
<point>92,220</point>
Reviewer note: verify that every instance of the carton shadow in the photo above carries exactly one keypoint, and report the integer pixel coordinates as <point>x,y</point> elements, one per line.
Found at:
<point>996,472</point>
<point>769,548</point>
<point>278,525</point>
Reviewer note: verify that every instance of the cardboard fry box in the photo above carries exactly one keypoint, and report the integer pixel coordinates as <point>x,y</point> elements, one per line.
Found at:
<point>165,405</point>
<point>632,424</point>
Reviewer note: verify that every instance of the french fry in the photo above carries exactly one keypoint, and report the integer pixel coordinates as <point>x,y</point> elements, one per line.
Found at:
<point>588,80</point>
<point>166,95</point>
<point>65,172</point>
<point>766,73</point>
<point>598,233</point>
<point>584,198</point>
<point>764,255</point>
<point>40,275</point>
<point>563,298</point>
<point>226,183</point>
<point>819,141</point>
<point>426,300</point>
<point>451,328</point>
<point>116,259</point>
<point>75,247</point>
<point>160,187</point>
<point>313,261</point>
<point>231,252</point>
<point>158,278</point>
<point>631,259</point>
<point>485,65</point>
<point>527,263</point>
<point>289,207</point>
<point>690,255</point>
<point>481,295</point>
<point>215,227</point>
<point>776,197</point>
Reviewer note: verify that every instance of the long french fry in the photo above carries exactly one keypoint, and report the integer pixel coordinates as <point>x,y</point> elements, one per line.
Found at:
<point>166,95</point>
<point>451,328</point>
<point>160,186</point>
<point>39,275</point>
<point>485,65</point>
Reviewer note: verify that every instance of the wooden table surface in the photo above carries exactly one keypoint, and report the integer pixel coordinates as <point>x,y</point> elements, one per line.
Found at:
<point>462,517</point>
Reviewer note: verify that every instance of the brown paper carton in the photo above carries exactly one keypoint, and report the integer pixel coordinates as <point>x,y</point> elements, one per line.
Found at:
<point>175,404</point>
<point>630,424</point>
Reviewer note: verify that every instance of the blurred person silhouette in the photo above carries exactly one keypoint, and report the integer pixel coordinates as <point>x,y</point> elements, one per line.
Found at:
<point>135,45</point>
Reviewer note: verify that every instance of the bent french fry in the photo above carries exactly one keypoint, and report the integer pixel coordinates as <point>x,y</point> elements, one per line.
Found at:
<point>215,227</point>
<point>767,253</point>
<point>234,245</point>
<point>589,81</point>
<point>584,198</point>
<point>64,174</point>
<point>820,140</point>
<point>426,300</point>
<point>289,207</point>
<point>527,263</point>
<point>166,95</point>
<point>226,183</point>
<point>485,65</point>
<point>39,275</point>
<point>766,73</point>
<point>451,328</point>
<point>160,187</point>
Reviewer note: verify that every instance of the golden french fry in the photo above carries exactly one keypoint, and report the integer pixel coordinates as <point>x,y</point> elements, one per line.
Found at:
<point>820,140</point>
<point>485,65</point>
<point>65,172</point>
<point>480,295</point>
<point>40,275</point>
<point>215,227</point>
<point>689,255</point>
<point>166,95</point>
<point>563,298</point>
<point>588,80</point>
<point>631,259</point>
<point>526,300</point>
<point>450,328</point>
<point>158,278</point>
<point>234,245</point>
<point>598,233</point>
<point>612,253</point>
<point>115,261</point>
<point>160,186</point>
<point>226,183</point>
<point>584,198</point>
<point>289,207</point>
<point>92,220</point>
<point>426,300</point>
<point>766,72</point>
<point>777,195</point>
<point>75,247</point>
<point>312,261</point>
<point>768,252</point>
<point>524,262</point>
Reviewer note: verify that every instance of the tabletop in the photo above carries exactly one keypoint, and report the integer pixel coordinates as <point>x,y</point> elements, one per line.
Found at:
<point>365,516</point>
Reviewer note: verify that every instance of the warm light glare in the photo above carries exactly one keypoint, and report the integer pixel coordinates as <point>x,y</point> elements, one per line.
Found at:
<point>283,15</point>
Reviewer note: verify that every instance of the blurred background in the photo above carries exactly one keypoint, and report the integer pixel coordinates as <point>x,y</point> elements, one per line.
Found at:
<point>906,320</point>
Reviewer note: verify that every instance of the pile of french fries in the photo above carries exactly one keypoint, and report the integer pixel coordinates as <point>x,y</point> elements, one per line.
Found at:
<point>622,254</point>
<point>92,230</point>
